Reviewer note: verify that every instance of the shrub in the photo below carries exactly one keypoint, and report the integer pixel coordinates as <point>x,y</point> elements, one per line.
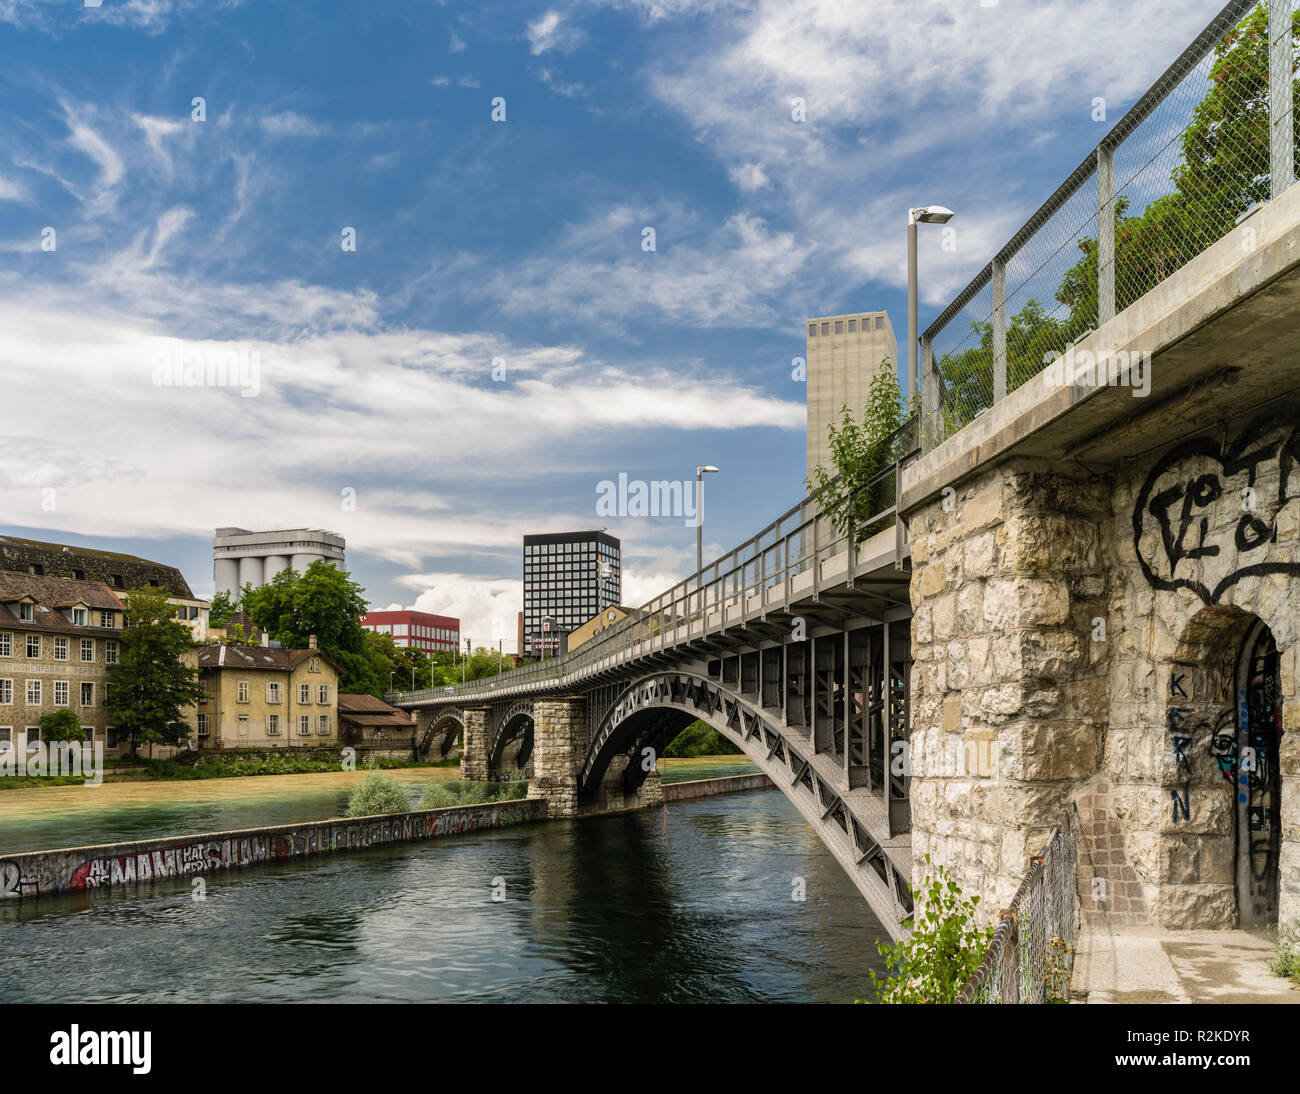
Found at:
<point>700,739</point>
<point>377,793</point>
<point>945,947</point>
<point>1287,961</point>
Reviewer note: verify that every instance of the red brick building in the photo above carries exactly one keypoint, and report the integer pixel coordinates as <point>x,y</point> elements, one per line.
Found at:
<point>417,630</point>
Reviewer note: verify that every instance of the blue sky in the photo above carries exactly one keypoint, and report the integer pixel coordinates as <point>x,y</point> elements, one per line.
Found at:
<point>479,240</point>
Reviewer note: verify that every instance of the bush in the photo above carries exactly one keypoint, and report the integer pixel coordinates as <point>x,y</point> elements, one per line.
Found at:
<point>1287,961</point>
<point>449,793</point>
<point>945,947</point>
<point>700,739</point>
<point>377,793</point>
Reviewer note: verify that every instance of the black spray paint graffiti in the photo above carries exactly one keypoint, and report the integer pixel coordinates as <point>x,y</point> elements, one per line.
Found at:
<point>1202,482</point>
<point>1183,726</point>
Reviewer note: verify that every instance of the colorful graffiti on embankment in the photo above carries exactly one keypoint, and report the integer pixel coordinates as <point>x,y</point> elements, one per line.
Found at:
<point>42,873</point>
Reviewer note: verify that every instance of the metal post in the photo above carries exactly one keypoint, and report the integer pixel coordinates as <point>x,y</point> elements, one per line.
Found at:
<point>930,424</point>
<point>1010,986</point>
<point>1105,234</point>
<point>699,520</point>
<point>999,330</point>
<point>913,376</point>
<point>1280,96</point>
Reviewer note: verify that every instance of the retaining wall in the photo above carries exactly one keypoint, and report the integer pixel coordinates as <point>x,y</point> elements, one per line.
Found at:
<point>40,873</point>
<point>707,788</point>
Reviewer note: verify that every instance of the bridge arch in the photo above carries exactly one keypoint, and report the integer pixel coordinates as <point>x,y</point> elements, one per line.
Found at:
<point>445,725</point>
<point>515,723</point>
<point>662,703</point>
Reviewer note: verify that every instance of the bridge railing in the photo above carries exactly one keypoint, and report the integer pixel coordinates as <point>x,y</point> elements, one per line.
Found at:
<point>743,584</point>
<point>1031,957</point>
<point>1214,137</point>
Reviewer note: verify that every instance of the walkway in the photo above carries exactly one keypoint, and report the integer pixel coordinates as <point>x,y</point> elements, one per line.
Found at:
<point>1151,965</point>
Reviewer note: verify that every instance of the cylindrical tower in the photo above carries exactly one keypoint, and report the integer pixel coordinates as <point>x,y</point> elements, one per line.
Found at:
<point>250,570</point>
<point>225,576</point>
<point>302,560</point>
<point>272,565</point>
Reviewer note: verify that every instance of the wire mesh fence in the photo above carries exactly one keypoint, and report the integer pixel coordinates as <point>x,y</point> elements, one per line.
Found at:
<point>1213,138</point>
<point>1031,957</point>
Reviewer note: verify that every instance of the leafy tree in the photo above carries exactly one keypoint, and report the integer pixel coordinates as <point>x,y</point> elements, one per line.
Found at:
<point>860,451</point>
<point>324,602</point>
<point>700,739</point>
<point>150,685</point>
<point>221,610</point>
<point>61,725</point>
<point>377,793</point>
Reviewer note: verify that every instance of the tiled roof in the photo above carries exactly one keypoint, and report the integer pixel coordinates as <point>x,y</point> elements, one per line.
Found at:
<point>50,594</point>
<point>229,655</point>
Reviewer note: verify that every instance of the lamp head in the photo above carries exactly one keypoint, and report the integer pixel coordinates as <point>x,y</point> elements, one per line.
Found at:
<point>705,470</point>
<point>932,214</point>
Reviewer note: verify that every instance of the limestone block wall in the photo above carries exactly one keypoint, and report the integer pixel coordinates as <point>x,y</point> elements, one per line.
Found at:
<point>1009,687</point>
<point>559,744</point>
<point>478,736</point>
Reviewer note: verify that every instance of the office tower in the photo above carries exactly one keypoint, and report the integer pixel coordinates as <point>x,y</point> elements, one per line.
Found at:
<point>568,578</point>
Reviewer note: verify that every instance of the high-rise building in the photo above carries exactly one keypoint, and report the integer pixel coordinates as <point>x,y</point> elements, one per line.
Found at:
<point>568,578</point>
<point>241,557</point>
<point>416,630</point>
<point>845,352</point>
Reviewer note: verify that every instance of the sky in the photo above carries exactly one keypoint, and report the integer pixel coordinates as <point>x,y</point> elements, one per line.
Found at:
<point>419,229</point>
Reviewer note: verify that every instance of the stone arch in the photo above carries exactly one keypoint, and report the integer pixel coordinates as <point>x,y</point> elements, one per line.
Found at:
<point>516,723</point>
<point>443,727</point>
<point>658,704</point>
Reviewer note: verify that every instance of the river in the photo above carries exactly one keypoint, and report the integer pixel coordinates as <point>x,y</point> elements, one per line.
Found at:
<point>694,905</point>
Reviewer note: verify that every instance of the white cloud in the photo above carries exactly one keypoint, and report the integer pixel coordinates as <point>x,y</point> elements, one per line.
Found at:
<point>486,607</point>
<point>551,30</point>
<point>11,190</point>
<point>456,43</point>
<point>290,124</point>
<point>556,83</point>
<point>749,177</point>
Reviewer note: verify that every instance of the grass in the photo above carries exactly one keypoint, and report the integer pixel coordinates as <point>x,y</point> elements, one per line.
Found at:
<point>1286,962</point>
<point>170,770</point>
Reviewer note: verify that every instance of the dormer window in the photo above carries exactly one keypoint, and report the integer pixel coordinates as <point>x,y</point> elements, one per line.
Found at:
<point>105,619</point>
<point>37,570</point>
<point>118,583</point>
<point>79,616</point>
<point>79,575</point>
<point>25,611</point>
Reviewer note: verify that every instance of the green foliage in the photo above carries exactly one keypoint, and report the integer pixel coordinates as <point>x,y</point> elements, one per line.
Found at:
<point>945,947</point>
<point>859,451</point>
<point>61,725</point>
<point>221,610</point>
<point>700,739</point>
<point>448,793</point>
<point>150,686</point>
<point>482,662</point>
<point>1286,961</point>
<point>377,793</point>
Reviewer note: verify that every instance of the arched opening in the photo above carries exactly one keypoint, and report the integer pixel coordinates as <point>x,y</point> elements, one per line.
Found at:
<point>513,745</point>
<point>1258,778</point>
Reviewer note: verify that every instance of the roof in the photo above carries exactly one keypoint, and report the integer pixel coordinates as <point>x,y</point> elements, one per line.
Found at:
<point>230,655</point>
<point>111,568</point>
<point>50,594</point>
<point>394,720</point>
<point>366,710</point>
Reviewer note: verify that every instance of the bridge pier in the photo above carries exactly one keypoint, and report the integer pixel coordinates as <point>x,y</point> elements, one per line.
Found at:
<point>559,742</point>
<point>478,736</point>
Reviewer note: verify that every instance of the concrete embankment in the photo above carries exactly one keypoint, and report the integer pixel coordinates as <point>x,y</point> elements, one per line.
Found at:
<point>33,874</point>
<point>41,873</point>
<point>707,788</point>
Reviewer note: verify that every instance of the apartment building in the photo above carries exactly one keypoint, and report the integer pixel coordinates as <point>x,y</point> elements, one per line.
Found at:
<point>58,636</point>
<point>262,697</point>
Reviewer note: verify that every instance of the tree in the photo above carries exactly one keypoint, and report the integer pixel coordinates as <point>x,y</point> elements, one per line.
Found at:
<point>859,452</point>
<point>150,685</point>
<point>324,602</point>
<point>221,610</point>
<point>61,725</point>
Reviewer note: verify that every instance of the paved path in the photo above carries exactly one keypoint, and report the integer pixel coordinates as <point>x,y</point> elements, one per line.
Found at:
<point>1150,965</point>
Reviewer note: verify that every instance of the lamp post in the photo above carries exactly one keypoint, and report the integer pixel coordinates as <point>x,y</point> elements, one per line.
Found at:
<point>463,660</point>
<point>926,214</point>
<point>700,472</point>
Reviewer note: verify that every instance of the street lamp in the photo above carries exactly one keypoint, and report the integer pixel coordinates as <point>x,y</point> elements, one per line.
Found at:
<point>700,472</point>
<point>927,214</point>
<point>463,660</point>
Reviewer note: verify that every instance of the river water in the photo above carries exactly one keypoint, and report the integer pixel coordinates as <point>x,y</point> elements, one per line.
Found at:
<point>689,905</point>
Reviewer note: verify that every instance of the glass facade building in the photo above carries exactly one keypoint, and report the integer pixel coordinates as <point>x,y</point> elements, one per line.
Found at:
<point>568,578</point>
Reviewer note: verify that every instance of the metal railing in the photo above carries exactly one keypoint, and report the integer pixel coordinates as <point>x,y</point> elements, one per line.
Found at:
<point>1031,957</point>
<point>1215,136</point>
<point>741,585</point>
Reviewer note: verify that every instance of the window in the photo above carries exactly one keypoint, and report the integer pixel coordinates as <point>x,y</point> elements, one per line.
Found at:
<point>242,719</point>
<point>87,694</point>
<point>110,653</point>
<point>60,693</point>
<point>853,325</point>
<point>38,570</point>
<point>25,612</point>
<point>106,619</point>
<point>272,693</point>
<point>60,649</point>
<point>33,693</point>
<point>273,725</point>
<point>110,737</point>
<point>323,693</point>
<point>79,575</point>
<point>33,646</point>
<point>323,725</point>
<point>6,645</point>
<point>118,583</point>
<point>826,328</point>
<point>33,737</point>
<point>87,649</point>
<point>839,326</point>
<point>304,725</point>
<point>241,694</point>
<point>6,692</point>
<point>304,693</point>
<point>880,322</point>
<point>314,666</point>
<point>79,616</point>
<point>6,738</point>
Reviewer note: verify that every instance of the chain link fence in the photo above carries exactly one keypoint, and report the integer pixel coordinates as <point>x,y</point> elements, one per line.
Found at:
<point>1031,957</point>
<point>1213,138</point>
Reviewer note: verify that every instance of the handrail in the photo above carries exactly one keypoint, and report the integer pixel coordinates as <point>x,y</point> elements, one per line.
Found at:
<point>697,597</point>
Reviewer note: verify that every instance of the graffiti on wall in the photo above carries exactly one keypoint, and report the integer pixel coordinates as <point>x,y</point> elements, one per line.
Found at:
<point>1186,726</point>
<point>38,873</point>
<point>1210,508</point>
